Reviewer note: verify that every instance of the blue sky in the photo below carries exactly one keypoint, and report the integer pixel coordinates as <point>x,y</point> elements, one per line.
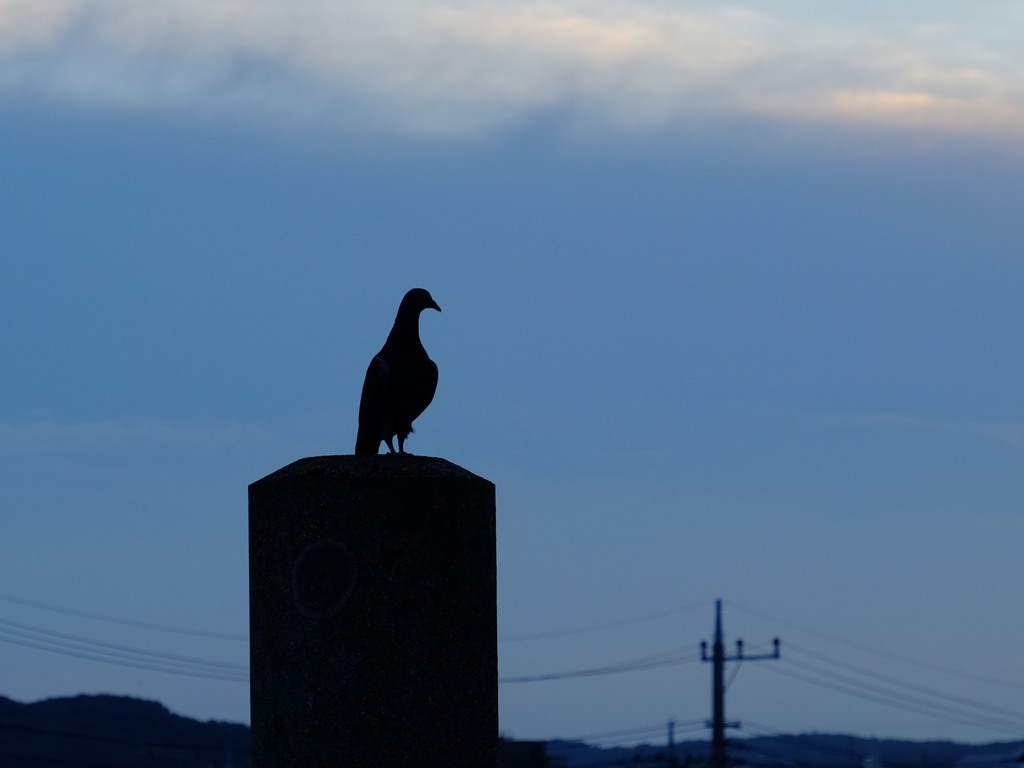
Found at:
<point>731,301</point>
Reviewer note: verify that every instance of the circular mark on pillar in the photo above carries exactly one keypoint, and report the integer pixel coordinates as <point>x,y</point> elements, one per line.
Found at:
<point>322,578</point>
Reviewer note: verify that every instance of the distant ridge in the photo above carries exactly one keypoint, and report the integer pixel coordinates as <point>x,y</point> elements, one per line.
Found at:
<point>114,732</point>
<point>803,750</point>
<point>123,732</point>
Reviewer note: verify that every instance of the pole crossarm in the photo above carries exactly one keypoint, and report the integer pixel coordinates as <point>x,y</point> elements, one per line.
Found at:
<point>740,655</point>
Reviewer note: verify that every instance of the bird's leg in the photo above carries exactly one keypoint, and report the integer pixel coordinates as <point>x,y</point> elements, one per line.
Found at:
<point>391,447</point>
<point>401,444</point>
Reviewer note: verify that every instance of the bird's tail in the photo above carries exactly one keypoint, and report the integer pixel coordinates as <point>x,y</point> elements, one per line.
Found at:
<point>366,445</point>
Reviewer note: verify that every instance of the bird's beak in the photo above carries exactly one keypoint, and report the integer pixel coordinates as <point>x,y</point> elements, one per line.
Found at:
<point>433,305</point>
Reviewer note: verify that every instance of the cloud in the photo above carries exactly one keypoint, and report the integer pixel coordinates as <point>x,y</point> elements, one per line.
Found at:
<point>1007,433</point>
<point>73,437</point>
<point>23,25</point>
<point>470,67</point>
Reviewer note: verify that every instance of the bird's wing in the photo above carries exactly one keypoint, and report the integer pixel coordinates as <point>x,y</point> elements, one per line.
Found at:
<point>371,407</point>
<point>423,392</point>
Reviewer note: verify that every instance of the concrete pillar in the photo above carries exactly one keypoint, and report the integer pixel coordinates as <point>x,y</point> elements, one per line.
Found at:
<point>373,615</point>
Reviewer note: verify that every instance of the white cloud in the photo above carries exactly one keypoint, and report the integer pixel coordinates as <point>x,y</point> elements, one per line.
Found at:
<point>1008,433</point>
<point>20,438</point>
<point>464,67</point>
<point>24,24</point>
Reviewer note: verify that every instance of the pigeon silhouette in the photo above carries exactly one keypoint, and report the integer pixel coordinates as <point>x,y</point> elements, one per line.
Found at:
<point>400,381</point>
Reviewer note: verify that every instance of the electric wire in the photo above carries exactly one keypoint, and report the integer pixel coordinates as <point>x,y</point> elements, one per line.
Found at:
<point>167,669</point>
<point>921,700</point>
<point>924,689</point>
<point>76,646</point>
<point>679,726</point>
<point>913,697</point>
<point>76,641</point>
<point>610,738</point>
<point>605,735</point>
<point>122,622</point>
<point>564,747</point>
<point>127,656</point>
<point>879,695</point>
<point>735,671</point>
<point>604,625</point>
<point>864,648</point>
<point>882,696</point>
<point>633,761</point>
<point>667,659</point>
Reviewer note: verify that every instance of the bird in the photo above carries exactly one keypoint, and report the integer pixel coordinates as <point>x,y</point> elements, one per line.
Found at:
<point>400,380</point>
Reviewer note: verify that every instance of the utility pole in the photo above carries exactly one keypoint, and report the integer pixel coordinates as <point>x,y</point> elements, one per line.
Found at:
<point>717,724</point>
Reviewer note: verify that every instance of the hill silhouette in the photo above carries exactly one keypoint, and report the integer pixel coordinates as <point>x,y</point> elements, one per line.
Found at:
<point>802,750</point>
<point>114,732</point>
<point>123,732</point>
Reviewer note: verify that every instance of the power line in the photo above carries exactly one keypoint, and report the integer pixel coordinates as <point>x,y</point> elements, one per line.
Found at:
<point>122,622</point>
<point>879,695</point>
<point>168,669</point>
<point>666,659</point>
<point>616,738</point>
<point>912,686</point>
<point>850,679</point>
<point>910,702</point>
<point>609,737</point>
<point>120,655</point>
<point>69,640</point>
<point>605,735</point>
<point>916,698</point>
<point>604,625</point>
<point>863,647</point>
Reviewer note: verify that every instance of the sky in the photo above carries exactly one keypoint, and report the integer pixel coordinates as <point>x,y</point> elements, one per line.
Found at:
<point>731,307</point>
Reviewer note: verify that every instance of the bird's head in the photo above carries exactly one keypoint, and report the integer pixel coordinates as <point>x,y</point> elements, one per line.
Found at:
<point>416,300</point>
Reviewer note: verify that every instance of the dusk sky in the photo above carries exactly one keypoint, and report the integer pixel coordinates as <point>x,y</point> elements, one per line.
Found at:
<point>732,298</point>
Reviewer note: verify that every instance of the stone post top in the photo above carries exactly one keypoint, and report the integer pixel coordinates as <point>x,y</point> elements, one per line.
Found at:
<point>395,467</point>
